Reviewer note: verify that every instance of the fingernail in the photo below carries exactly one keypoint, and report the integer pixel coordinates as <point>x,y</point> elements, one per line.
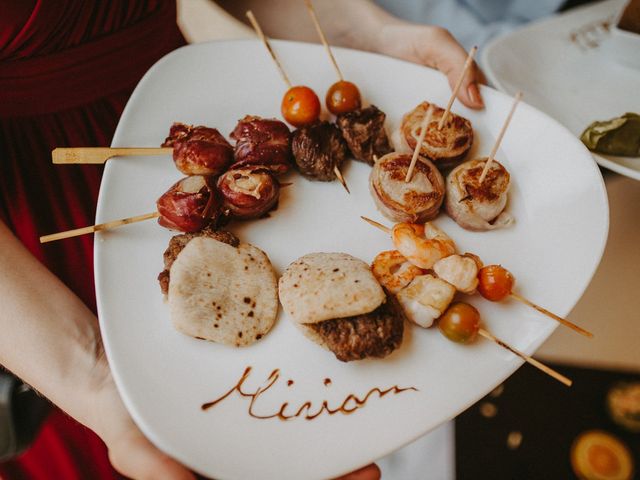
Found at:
<point>474,94</point>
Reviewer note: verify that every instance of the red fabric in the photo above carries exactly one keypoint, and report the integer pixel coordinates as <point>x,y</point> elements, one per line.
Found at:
<point>55,59</point>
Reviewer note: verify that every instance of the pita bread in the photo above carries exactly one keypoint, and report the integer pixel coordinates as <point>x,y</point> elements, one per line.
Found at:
<point>325,286</point>
<point>222,293</point>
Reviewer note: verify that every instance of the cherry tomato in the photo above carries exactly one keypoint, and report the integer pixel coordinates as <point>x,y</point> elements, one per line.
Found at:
<point>343,97</point>
<point>460,323</point>
<point>300,106</point>
<point>495,282</point>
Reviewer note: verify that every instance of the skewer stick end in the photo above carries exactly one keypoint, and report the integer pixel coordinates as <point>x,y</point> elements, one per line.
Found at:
<point>340,178</point>
<point>378,225</point>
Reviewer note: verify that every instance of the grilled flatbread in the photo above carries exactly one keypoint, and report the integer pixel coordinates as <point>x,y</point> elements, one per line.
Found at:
<point>324,286</point>
<point>223,293</point>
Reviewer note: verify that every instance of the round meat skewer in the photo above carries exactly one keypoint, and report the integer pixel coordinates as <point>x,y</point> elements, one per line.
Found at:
<point>461,324</point>
<point>98,227</point>
<point>189,205</point>
<point>495,283</point>
<point>300,104</point>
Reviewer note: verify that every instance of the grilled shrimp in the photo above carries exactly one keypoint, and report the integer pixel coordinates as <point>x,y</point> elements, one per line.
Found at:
<point>393,270</point>
<point>422,245</point>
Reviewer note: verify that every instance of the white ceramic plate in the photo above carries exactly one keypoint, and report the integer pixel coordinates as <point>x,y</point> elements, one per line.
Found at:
<point>164,377</point>
<point>564,67</point>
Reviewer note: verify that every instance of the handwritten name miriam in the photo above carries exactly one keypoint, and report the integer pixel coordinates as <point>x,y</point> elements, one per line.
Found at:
<point>307,410</point>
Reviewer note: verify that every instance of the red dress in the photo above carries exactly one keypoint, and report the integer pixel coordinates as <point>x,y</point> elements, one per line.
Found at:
<point>67,68</point>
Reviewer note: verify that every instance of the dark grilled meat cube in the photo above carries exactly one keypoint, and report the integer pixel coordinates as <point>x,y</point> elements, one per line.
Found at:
<point>364,133</point>
<point>318,149</point>
<point>374,334</point>
<point>178,242</point>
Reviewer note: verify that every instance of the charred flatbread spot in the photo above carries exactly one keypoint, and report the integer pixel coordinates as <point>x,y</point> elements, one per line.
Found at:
<point>250,314</point>
<point>247,300</point>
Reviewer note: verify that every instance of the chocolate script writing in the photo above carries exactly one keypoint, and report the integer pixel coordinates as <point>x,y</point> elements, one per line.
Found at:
<point>307,410</point>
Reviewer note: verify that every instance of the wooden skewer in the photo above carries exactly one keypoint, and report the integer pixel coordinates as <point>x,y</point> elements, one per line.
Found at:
<point>454,93</point>
<point>416,152</point>
<point>557,318</point>
<point>314,17</point>
<point>265,41</point>
<point>259,32</point>
<point>516,296</point>
<point>97,155</point>
<point>378,225</point>
<point>539,365</point>
<point>492,155</point>
<point>341,179</point>
<point>96,228</point>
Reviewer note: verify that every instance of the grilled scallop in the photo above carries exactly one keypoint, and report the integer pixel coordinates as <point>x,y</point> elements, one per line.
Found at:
<point>446,147</point>
<point>474,206</point>
<point>416,201</point>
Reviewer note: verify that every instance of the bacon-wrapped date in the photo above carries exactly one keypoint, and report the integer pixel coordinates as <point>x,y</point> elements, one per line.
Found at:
<point>262,142</point>
<point>189,205</point>
<point>199,150</point>
<point>248,192</point>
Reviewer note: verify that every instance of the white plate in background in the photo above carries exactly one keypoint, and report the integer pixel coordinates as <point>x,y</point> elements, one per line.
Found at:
<point>164,377</point>
<point>563,66</point>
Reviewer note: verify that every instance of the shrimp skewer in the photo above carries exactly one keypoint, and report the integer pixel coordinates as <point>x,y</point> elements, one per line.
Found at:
<point>394,271</point>
<point>494,281</point>
<point>461,324</point>
<point>422,245</point>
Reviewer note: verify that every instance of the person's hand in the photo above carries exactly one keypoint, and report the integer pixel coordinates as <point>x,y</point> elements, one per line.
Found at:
<point>130,453</point>
<point>434,47</point>
<point>370,472</point>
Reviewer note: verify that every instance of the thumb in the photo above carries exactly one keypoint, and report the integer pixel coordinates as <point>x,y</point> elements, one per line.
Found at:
<point>135,457</point>
<point>448,56</point>
<point>370,472</point>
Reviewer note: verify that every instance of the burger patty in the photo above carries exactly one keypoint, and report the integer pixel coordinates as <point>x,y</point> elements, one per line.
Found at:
<point>373,334</point>
<point>178,242</point>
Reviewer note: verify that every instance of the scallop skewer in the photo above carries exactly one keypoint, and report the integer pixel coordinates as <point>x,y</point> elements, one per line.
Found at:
<point>494,150</point>
<point>294,93</point>
<point>454,93</point>
<point>495,283</point>
<point>429,114</point>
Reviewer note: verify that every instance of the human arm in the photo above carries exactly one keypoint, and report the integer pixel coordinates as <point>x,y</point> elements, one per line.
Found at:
<point>51,340</point>
<point>361,24</point>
